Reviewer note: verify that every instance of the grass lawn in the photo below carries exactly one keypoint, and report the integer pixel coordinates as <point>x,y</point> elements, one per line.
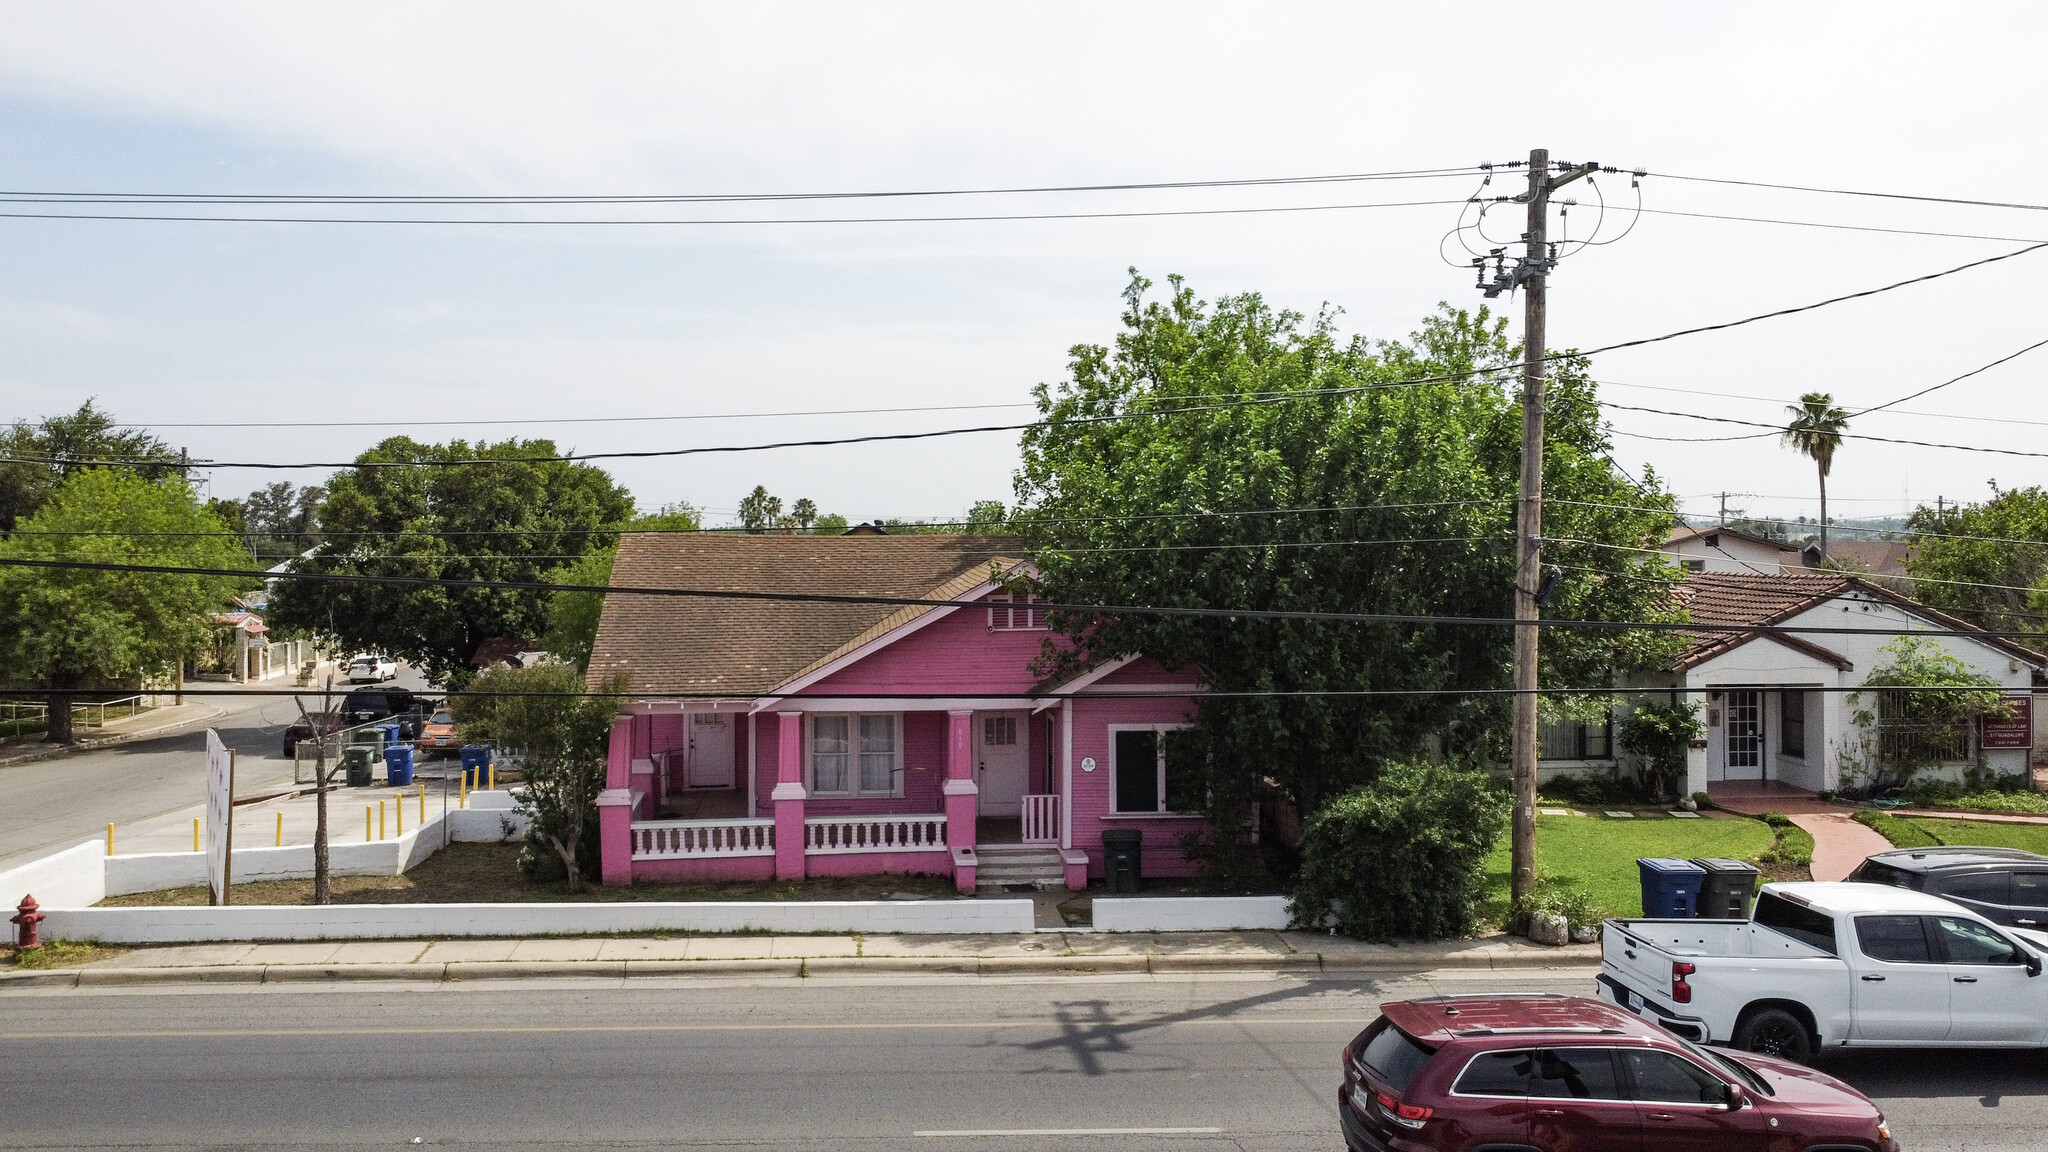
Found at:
<point>1599,854</point>
<point>1990,833</point>
<point>489,874</point>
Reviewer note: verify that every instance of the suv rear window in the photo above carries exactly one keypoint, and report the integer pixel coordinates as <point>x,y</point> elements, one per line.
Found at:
<point>1874,872</point>
<point>1394,1056</point>
<point>1800,923</point>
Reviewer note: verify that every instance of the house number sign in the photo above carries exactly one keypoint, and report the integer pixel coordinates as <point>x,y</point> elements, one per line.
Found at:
<point>1087,763</point>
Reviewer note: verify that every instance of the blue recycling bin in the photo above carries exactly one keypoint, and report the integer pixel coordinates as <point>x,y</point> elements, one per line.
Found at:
<point>476,759</point>
<point>1671,887</point>
<point>392,730</point>
<point>398,765</point>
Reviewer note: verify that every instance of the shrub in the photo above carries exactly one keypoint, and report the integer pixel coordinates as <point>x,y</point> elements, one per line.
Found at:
<point>1660,734</point>
<point>1595,789</point>
<point>1401,857</point>
<point>1901,832</point>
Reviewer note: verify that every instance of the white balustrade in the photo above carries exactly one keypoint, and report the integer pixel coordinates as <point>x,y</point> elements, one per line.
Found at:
<point>825,835</point>
<point>1041,819</point>
<point>702,839</point>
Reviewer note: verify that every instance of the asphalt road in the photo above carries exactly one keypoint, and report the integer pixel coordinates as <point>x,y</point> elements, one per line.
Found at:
<point>1017,1066</point>
<point>50,804</point>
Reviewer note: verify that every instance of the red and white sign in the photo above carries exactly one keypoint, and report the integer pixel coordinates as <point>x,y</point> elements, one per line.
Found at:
<point>2015,731</point>
<point>220,802</point>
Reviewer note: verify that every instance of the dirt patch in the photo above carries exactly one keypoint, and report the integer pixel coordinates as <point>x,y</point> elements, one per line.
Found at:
<point>58,954</point>
<point>489,874</point>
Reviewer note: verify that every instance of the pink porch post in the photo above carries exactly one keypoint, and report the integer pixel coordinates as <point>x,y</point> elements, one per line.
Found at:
<point>615,808</point>
<point>789,796</point>
<point>960,793</point>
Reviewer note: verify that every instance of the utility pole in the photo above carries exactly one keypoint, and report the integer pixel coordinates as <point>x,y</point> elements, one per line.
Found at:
<point>1533,273</point>
<point>1724,509</point>
<point>178,679</point>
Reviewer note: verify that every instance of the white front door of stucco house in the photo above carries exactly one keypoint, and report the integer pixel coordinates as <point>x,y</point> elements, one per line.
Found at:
<point>1001,762</point>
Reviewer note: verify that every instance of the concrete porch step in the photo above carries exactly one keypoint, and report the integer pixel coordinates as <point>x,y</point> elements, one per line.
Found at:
<point>1000,865</point>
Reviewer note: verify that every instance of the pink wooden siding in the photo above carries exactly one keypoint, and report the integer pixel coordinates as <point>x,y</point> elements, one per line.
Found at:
<point>924,769</point>
<point>1092,798</point>
<point>957,655</point>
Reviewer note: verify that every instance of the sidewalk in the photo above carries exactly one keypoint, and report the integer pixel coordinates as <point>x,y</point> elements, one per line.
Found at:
<point>154,722</point>
<point>1043,953</point>
<point>1839,842</point>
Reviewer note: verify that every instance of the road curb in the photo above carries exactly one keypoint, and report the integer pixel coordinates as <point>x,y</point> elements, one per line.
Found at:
<point>56,751</point>
<point>785,967</point>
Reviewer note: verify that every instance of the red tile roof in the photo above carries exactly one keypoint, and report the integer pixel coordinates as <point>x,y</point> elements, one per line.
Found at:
<point>1731,600</point>
<point>704,648</point>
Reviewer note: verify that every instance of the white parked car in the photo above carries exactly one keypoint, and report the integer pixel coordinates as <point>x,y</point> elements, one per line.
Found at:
<point>369,668</point>
<point>1828,965</point>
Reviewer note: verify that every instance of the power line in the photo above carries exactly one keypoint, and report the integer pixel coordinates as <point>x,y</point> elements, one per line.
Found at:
<point>1949,381</point>
<point>1858,192</point>
<point>1839,227</point>
<point>1312,616</point>
<point>1778,430</point>
<point>707,197</point>
<point>1606,383</point>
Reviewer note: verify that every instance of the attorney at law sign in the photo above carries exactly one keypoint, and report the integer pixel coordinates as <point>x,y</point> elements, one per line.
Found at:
<point>2014,731</point>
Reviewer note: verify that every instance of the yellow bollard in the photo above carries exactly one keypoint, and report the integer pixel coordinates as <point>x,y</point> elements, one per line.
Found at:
<point>110,838</point>
<point>491,774</point>
<point>195,833</point>
<point>398,803</point>
<point>280,829</point>
<point>423,805</point>
<point>380,819</point>
<point>465,789</point>
<point>366,823</point>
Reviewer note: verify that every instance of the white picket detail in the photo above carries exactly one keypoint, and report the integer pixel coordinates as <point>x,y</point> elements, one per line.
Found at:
<point>702,839</point>
<point>1041,819</point>
<point>827,835</point>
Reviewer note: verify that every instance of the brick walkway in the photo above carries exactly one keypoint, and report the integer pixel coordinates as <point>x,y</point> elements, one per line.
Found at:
<point>1839,843</point>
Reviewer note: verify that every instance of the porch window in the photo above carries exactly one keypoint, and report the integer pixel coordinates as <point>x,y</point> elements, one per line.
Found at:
<point>856,754</point>
<point>1572,740</point>
<point>1008,613</point>
<point>1792,723</point>
<point>1149,772</point>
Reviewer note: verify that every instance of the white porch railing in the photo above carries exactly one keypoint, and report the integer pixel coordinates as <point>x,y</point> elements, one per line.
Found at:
<point>835,834</point>
<point>703,839</point>
<point>1041,819</point>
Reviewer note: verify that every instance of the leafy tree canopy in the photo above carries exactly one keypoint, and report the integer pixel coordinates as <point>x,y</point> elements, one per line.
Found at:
<point>559,735</point>
<point>513,521</point>
<point>74,441</point>
<point>1952,574</point>
<point>276,521</point>
<point>78,629</point>
<point>1398,499</point>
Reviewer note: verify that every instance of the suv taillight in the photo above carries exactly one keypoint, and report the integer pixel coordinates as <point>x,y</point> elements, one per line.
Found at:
<point>1406,1115</point>
<point>1681,992</point>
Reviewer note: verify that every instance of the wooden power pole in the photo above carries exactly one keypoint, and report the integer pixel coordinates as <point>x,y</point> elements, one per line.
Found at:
<point>1532,275</point>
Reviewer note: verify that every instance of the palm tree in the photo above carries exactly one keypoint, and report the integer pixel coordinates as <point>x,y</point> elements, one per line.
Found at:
<point>1816,431</point>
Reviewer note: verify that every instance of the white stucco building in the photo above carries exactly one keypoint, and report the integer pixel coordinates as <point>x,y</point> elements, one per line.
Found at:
<point>1730,550</point>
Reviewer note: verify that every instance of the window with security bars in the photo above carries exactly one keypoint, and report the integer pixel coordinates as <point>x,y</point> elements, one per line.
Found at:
<point>1909,735</point>
<point>1573,740</point>
<point>1008,613</point>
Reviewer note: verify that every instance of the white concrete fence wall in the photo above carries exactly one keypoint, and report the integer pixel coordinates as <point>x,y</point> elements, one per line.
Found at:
<point>83,876</point>
<point>1190,913</point>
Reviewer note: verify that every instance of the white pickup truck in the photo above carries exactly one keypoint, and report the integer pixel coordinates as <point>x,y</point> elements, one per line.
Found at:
<point>1824,965</point>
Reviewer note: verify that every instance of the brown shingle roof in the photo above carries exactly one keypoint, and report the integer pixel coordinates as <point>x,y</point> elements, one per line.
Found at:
<point>700,648</point>
<point>1728,599</point>
<point>1876,557</point>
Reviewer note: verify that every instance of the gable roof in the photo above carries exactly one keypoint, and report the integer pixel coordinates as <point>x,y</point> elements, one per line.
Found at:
<point>703,648</point>
<point>1874,557</point>
<point>1730,600</point>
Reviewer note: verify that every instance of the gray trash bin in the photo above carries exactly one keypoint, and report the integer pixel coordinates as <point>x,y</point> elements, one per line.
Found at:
<point>1123,860</point>
<point>1726,892</point>
<point>357,759</point>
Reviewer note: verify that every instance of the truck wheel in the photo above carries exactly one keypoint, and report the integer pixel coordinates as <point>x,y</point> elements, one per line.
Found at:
<point>1775,1032</point>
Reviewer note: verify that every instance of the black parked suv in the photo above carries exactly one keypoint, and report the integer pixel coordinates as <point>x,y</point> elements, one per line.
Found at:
<point>365,705</point>
<point>2004,885</point>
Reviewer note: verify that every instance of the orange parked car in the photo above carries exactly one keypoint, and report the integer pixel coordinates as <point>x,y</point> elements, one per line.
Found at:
<point>437,735</point>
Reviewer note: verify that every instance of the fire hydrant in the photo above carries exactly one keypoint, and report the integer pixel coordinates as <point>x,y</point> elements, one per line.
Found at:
<point>27,917</point>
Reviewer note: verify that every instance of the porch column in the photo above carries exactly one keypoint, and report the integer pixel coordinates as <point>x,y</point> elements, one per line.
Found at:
<point>960,792</point>
<point>789,796</point>
<point>615,807</point>
<point>618,769</point>
<point>1696,751</point>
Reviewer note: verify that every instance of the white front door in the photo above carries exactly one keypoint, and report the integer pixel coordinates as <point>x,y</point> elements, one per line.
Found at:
<point>1001,762</point>
<point>1742,735</point>
<point>710,753</point>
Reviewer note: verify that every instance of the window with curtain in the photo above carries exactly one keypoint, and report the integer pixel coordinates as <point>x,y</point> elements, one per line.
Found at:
<point>856,755</point>
<point>1572,740</point>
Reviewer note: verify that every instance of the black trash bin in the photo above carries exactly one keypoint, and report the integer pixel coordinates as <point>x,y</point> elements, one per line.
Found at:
<point>1123,860</point>
<point>357,759</point>
<point>1728,888</point>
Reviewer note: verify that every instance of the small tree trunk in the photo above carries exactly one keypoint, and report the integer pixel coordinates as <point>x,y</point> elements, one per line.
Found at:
<point>60,719</point>
<point>568,854</point>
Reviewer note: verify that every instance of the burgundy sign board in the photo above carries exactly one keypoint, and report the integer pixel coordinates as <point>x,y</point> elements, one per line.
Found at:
<point>2017,732</point>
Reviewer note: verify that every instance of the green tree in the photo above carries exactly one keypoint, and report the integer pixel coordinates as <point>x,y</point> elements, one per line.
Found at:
<point>444,512</point>
<point>69,629</point>
<point>759,511</point>
<point>1905,731</point>
<point>558,733</point>
<point>1391,498</point>
<point>36,459</point>
<point>1995,581</point>
<point>573,616</point>
<point>1815,431</point>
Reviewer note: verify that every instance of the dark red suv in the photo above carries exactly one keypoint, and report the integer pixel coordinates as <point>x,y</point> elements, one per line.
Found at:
<point>1565,1074</point>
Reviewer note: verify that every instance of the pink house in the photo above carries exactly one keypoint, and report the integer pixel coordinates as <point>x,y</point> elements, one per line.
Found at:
<point>778,739</point>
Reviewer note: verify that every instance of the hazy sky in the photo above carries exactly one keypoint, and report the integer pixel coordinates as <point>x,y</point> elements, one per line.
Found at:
<point>242,324</point>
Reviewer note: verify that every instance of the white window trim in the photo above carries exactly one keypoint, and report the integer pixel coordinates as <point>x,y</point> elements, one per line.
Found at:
<point>853,720</point>
<point>1158,767</point>
<point>1003,606</point>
